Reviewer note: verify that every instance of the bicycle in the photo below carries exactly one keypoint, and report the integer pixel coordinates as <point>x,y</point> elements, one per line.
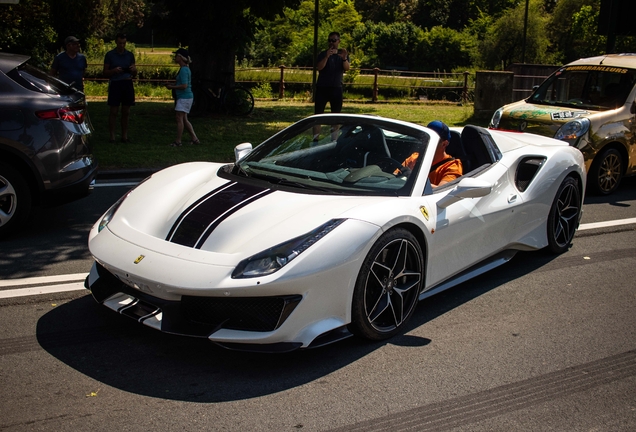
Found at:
<point>218,97</point>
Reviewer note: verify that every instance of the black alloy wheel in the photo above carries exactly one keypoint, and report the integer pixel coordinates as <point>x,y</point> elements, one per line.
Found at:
<point>563,219</point>
<point>388,286</point>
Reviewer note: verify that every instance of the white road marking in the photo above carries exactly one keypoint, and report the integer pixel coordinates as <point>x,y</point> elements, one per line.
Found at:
<point>607,224</point>
<point>43,280</point>
<point>50,289</point>
<point>75,282</point>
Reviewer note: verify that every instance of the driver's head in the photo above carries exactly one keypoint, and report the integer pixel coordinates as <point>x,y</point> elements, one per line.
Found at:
<point>444,135</point>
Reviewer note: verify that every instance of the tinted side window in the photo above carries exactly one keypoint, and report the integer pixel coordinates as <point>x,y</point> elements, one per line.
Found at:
<point>35,80</point>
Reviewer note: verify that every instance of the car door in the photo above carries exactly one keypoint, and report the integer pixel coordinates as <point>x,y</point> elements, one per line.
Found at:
<point>470,221</point>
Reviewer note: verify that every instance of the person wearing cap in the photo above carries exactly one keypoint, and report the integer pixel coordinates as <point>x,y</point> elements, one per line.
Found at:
<point>184,96</point>
<point>70,64</point>
<point>445,168</point>
<point>119,68</point>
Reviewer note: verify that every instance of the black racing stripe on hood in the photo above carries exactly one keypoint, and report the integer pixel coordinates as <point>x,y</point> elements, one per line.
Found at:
<point>198,221</point>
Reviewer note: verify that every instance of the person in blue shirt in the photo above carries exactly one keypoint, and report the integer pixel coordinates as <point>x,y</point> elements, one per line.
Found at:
<point>119,67</point>
<point>184,96</point>
<point>70,64</point>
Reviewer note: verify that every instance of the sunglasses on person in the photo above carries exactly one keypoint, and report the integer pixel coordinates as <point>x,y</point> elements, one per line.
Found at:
<point>333,40</point>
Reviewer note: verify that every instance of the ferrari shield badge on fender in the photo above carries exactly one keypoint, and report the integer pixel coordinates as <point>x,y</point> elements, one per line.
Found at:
<point>139,258</point>
<point>424,212</point>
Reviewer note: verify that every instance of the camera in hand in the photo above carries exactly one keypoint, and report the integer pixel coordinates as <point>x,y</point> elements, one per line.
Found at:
<point>126,70</point>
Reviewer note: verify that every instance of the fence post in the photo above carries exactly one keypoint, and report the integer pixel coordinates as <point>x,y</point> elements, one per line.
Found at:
<point>281,84</point>
<point>465,89</point>
<point>375,84</point>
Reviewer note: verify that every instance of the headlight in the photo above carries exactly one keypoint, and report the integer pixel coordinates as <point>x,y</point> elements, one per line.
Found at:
<point>113,209</point>
<point>573,130</point>
<point>496,118</point>
<point>110,213</point>
<point>275,258</point>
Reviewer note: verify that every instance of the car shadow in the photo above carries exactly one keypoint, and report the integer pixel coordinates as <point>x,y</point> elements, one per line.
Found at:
<point>55,234</point>
<point>626,192</point>
<point>117,352</point>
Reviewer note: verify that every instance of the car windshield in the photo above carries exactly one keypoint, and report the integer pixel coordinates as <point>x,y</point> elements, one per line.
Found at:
<point>591,87</point>
<point>353,155</point>
<point>36,80</point>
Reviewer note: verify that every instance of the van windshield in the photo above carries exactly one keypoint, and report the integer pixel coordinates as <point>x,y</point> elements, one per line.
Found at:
<point>592,87</point>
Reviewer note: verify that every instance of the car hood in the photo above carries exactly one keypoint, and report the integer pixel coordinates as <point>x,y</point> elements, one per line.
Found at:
<point>191,206</point>
<point>538,119</point>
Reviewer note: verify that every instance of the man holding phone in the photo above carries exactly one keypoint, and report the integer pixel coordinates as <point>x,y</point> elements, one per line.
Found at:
<point>119,67</point>
<point>332,63</point>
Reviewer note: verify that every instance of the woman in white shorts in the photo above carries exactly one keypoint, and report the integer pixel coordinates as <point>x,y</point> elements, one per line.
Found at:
<point>184,97</point>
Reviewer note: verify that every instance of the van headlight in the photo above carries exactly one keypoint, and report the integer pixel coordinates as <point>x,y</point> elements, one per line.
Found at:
<point>496,118</point>
<point>573,130</point>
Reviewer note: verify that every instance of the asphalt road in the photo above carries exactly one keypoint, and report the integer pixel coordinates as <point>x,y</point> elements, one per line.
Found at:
<point>542,343</point>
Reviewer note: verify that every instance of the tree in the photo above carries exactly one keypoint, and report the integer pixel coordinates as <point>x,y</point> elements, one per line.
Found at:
<point>26,29</point>
<point>215,31</point>
<point>502,44</point>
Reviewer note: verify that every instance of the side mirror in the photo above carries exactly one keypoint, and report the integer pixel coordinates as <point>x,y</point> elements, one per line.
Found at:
<point>466,188</point>
<point>242,150</point>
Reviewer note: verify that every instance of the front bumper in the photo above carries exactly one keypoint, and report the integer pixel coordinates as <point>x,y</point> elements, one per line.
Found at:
<point>213,318</point>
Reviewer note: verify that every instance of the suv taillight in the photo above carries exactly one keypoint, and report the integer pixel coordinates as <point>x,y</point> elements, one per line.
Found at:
<point>69,114</point>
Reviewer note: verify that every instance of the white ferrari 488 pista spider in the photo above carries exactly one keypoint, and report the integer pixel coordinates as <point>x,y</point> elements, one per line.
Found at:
<point>321,232</point>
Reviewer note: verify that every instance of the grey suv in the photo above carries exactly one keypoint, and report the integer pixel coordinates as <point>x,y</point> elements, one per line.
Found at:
<point>44,130</point>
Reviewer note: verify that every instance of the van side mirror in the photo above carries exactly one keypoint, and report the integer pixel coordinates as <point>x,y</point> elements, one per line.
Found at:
<point>242,150</point>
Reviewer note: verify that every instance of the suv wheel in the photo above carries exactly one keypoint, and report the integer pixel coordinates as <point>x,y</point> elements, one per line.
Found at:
<point>606,172</point>
<point>15,200</point>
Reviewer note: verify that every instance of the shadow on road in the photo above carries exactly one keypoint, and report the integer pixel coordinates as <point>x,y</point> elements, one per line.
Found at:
<point>116,351</point>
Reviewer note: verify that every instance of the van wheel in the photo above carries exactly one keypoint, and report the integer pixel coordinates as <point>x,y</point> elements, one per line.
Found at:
<point>606,172</point>
<point>15,200</point>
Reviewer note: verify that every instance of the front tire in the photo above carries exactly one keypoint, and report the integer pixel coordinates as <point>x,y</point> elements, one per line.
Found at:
<point>606,172</point>
<point>15,200</point>
<point>563,219</point>
<point>388,286</point>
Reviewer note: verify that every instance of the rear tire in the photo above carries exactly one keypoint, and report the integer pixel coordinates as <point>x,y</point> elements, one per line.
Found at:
<point>15,200</point>
<point>606,172</point>
<point>563,219</point>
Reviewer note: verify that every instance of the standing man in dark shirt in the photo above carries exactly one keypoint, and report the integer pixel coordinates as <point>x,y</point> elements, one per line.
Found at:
<point>332,63</point>
<point>119,67</point>
<point>70,64</point>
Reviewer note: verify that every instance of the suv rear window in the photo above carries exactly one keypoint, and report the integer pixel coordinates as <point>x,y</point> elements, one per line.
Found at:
<point>34,79</point>
<point>581,86</point>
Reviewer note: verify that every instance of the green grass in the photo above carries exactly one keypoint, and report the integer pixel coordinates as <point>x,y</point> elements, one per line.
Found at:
<point>152,127</point>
